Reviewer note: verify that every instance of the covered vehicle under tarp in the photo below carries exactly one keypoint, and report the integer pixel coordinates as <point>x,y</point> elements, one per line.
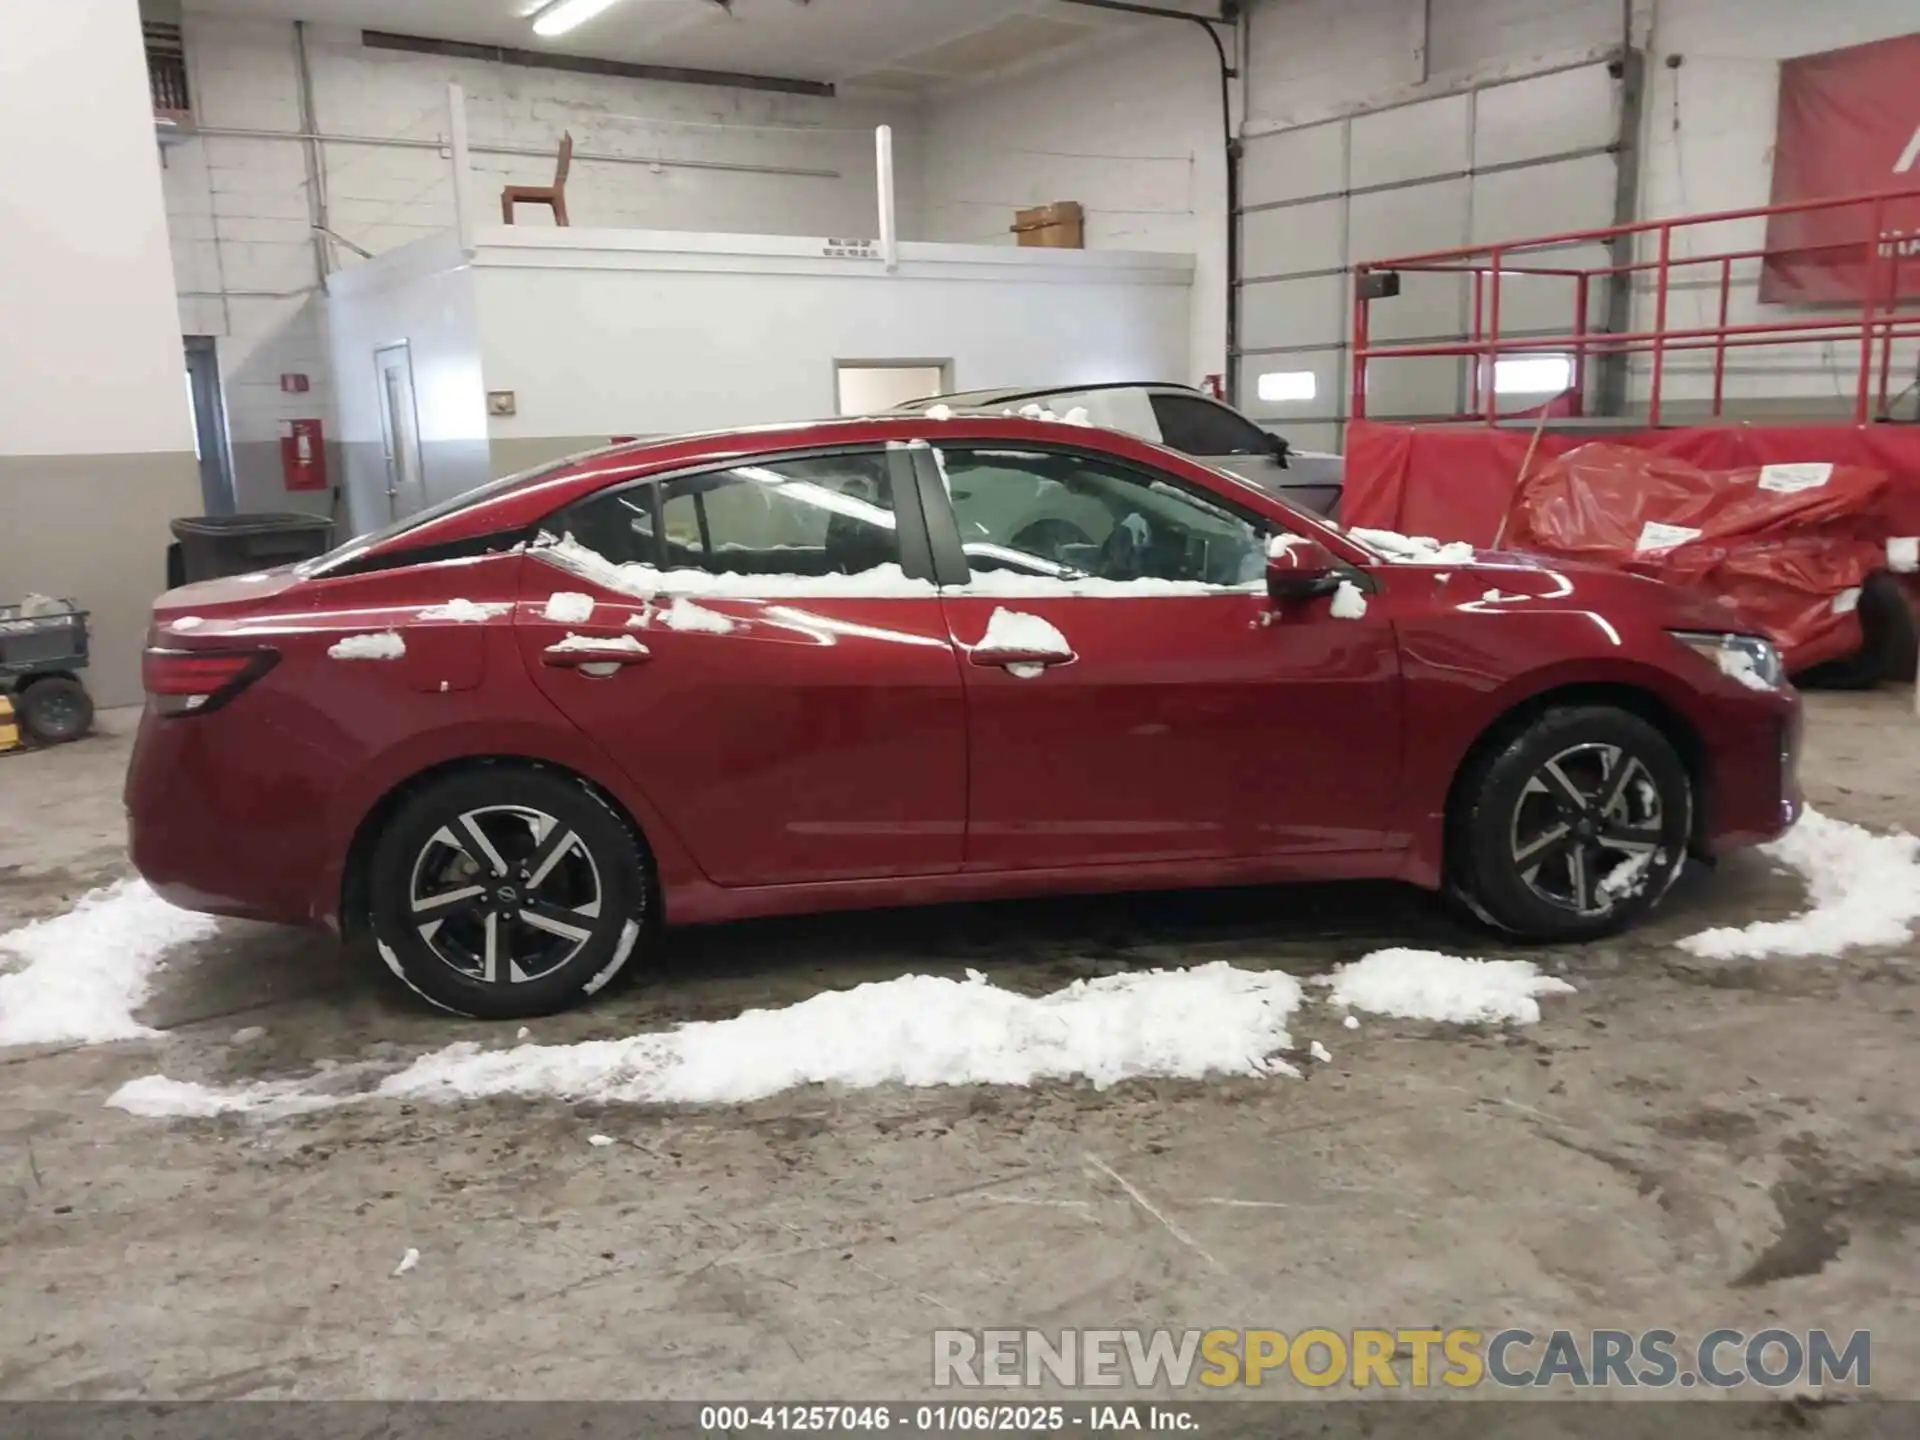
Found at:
<point>1787,547</point>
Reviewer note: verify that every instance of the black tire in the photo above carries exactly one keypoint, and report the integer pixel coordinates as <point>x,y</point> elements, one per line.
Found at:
<point>54,710</point>
<point>1511,799</point>
<point>597,884</point>
<point>1888,644</point>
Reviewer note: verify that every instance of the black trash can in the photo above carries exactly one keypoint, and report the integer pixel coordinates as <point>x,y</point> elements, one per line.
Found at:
<point>215,545</point>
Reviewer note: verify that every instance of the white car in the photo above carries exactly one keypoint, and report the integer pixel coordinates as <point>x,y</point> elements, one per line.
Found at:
<point>1184,419</point>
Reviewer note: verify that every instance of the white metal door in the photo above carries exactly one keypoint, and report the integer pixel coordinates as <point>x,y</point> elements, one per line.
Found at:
<point>1520,157</point>
<point>400,430</point>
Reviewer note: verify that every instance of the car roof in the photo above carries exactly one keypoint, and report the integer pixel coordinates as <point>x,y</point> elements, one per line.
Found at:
<point>1007,395</point>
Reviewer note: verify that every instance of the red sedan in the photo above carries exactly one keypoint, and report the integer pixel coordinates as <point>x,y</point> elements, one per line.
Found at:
<point>904,660</point>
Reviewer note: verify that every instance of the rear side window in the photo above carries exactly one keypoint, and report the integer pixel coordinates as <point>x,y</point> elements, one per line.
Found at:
<point>1194,426</point>
<point>819,515</point>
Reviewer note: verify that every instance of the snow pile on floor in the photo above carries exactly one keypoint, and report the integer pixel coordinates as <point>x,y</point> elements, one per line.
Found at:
<point>1425,985</point>
<point>919,1030</point>
<point>1865,890</point>
<point>1348,602</point>
<point>87,970</point>
<point>1414,549</point>
<point>381,645</point>
<point>568,607</point>
<point>466,612</point>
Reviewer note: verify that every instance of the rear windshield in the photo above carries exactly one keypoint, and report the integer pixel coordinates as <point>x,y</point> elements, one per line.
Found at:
<point>360,544</point>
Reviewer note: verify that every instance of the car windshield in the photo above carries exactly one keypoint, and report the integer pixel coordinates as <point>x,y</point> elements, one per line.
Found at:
<point>360,544</point>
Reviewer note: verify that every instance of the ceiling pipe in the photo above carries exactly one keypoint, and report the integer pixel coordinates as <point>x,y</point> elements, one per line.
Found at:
<point>1230,12</point>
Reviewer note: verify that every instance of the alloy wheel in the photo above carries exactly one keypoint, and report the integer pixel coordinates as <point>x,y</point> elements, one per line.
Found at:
<point>1587,828</point>
<point>505,894</point>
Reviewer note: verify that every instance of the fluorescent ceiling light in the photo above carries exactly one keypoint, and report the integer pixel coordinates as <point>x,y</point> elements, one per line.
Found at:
<point>564,15</point>
<point>1287,385</point>
<point>1533,375</point>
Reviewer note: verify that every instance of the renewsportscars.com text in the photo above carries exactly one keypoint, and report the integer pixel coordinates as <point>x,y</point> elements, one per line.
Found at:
<point>1399,1358</point>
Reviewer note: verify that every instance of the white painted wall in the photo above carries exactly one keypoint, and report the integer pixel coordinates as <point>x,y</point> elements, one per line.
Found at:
<point>1708,146</point>
<point>1130,129</point>
<point>602,333</point>
<point>1313,59</point>
<point>424,294</point>
<point>90,362</point>
<point>238,207</point>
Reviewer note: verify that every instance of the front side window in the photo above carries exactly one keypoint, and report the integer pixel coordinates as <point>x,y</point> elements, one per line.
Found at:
<point>1195,426</point>
<point>1076,516</point>
<point>813,516</point>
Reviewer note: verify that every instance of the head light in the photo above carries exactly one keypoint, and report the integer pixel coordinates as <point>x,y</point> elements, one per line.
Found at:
<point>1752,661</point>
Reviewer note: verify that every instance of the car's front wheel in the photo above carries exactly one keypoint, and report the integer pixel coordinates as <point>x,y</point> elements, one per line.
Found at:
<point>505,892</point>
<point>1571,827</point>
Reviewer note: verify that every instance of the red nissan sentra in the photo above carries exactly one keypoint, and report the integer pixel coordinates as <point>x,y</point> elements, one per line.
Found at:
<point>902,660</point>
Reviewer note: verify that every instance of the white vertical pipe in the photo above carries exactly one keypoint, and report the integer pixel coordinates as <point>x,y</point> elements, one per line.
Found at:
<point>889,234</point>
<point>462,170</point>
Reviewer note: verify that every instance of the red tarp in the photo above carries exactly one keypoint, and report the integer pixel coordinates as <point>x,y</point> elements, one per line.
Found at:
<point>1781,554</point>
<point>1786,545</point>
<point>1454,482</point>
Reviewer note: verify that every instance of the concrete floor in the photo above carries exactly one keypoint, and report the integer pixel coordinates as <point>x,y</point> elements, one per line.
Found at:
<point>1681,1144</point>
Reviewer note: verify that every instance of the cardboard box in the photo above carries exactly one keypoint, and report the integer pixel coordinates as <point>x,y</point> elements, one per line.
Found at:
<point>1060,226</point>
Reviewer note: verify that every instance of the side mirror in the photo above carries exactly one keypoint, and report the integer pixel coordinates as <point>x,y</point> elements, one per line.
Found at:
<point>1299,568</point>
<point>1280,448</point>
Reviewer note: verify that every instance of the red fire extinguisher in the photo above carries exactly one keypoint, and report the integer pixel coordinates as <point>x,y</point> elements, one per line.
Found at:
<point>303,455</point>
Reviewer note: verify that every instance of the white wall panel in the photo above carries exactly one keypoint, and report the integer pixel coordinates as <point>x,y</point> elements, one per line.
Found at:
<point>1294,238</point>
<point>1295,164</point>
<point>1411,142</point>
<point>1409,220</point>
<point>1548,115</point>
<point>1467,34</point>
<point>1312,311</point>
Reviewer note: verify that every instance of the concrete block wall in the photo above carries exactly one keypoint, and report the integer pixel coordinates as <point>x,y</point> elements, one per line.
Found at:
<point>1130,128</point>
<point>245,266</point>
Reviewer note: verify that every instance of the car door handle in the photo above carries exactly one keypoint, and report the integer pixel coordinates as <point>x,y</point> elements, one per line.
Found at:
<point>1003,657</point>
<point>615,652</point>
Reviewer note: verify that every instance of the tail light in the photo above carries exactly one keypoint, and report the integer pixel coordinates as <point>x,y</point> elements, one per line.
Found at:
<point>191,682</point>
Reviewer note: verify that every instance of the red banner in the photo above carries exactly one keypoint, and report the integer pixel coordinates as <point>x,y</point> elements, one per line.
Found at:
<point>1849,125</point>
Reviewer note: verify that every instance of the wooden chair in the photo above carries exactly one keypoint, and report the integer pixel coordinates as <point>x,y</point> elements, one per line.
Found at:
<point>553,196</point>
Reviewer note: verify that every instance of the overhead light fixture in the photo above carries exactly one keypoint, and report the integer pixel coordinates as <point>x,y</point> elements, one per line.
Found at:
<point>564,15</point>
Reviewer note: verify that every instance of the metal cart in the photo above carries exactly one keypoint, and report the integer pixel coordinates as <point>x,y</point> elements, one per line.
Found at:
<point>42,649</point>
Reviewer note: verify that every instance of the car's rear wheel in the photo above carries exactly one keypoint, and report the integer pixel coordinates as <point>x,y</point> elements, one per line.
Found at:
<point>505,892</point>
<point>1571,827</point>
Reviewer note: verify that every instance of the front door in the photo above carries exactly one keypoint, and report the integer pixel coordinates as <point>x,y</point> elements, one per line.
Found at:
<point>1132,694</point>
<point>748,645</point>
<point>400,430</point>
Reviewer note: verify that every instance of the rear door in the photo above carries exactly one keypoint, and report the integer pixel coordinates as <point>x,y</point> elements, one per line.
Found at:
<point>761,648</point>
<point>1132,695</point>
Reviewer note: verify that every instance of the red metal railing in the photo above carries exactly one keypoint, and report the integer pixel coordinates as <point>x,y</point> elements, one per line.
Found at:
<point>1873,257</point>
